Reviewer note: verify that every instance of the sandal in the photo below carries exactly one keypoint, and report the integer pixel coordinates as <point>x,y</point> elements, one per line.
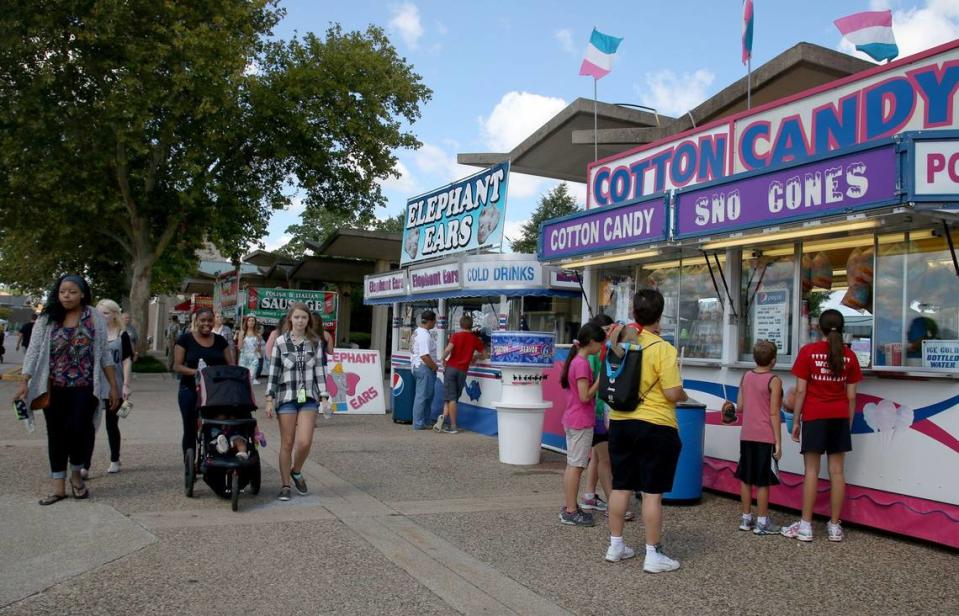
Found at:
<point>79,493</point>
<point>52,498</point>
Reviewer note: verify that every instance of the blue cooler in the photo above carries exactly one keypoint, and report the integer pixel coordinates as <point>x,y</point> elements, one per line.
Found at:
<point>404,390</point>
<point>688,481</point>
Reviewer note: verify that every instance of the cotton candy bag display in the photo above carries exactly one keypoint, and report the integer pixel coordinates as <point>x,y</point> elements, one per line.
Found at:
<point>805,273</point>
<point>859,273</point>
<point>821,272</point>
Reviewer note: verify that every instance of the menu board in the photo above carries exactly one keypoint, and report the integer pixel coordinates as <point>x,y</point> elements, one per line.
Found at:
<point>770,319</point>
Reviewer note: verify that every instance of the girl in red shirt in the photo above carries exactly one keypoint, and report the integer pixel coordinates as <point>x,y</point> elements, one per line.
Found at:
<point>826,376</point>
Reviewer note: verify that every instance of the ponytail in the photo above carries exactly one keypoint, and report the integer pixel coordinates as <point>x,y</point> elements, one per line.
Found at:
<point>590,332</point>
<point>830,324</point>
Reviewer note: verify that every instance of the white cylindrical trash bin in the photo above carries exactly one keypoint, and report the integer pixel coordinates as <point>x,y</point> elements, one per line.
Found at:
<point>520,428</point>
<point>523,358</point>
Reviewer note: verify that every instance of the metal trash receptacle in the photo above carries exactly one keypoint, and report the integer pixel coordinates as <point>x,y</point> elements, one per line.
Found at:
<point>688,481</point>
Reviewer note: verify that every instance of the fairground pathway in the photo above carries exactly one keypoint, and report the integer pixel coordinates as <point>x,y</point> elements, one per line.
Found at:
<point>399,522</point>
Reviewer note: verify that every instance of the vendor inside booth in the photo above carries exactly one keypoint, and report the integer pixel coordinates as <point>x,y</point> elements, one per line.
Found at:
<point>499,291</point>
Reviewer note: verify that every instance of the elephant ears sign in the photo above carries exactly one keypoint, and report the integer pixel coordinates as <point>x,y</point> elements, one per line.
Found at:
<point>465,215</point>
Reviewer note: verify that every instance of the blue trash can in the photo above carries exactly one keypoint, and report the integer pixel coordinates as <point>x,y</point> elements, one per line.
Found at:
<point>404,391</point>
<point>688,481</point>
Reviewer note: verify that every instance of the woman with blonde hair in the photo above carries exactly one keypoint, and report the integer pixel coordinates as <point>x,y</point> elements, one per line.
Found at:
<point>249,344</point>
<point>120,347</point>
<point>294,392</point>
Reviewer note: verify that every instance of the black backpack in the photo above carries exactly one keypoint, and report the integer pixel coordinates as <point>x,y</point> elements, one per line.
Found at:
<point>620,377</point>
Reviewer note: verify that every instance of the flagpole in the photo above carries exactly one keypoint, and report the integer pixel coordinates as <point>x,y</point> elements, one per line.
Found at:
<point>595,124</point>
<point>749,81</point>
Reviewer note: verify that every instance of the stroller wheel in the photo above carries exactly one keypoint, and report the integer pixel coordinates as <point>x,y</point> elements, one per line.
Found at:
<point>189,472</point>
<point>235,490</point>
<point>255,479</point>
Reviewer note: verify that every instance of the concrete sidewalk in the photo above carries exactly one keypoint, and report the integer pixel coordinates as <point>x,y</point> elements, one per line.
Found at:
<point>401,522</point>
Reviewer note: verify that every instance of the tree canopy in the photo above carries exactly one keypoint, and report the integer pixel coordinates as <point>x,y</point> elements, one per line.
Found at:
<point>554,203</point>
<point>133,132</point>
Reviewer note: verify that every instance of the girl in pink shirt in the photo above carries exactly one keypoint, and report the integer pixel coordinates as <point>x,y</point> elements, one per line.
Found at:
<point>579,418</point>
<point>760,441</point>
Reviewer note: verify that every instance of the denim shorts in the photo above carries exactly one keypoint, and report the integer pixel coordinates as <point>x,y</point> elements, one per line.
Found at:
<point>291,408</point>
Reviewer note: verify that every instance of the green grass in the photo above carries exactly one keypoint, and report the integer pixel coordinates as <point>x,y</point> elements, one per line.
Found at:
<point>148,364</point>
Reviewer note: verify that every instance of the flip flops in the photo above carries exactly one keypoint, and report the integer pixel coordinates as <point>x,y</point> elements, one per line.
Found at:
<point>52,498</point>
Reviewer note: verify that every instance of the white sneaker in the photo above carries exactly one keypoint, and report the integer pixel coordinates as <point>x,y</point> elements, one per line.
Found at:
<point>256,382</point>
<point>222,446</point>
<point>438,426</point>
<point>795,531</point>
<point>746,523</point>
<point>835,531</point>
<point>617,553</point>
<point>659,562</point>
<point>114,467</point>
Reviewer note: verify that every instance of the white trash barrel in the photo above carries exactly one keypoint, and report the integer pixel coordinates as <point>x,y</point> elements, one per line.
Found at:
<point>520,429</point>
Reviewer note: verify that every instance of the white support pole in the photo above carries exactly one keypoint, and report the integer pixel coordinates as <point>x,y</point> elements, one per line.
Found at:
<point>442,326</point>
<point>595,123</point>
<point>589,284</point>
<point>749,82</point>
<point>397,322</point>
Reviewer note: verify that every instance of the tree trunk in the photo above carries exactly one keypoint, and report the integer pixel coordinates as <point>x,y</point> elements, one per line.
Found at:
<point>140,293</point>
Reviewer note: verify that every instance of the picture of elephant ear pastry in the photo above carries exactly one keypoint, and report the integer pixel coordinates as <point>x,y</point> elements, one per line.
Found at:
<point>488,221</point>
<point>412,243</point>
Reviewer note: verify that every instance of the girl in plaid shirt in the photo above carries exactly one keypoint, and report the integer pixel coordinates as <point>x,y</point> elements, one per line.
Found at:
<point>294,392</point>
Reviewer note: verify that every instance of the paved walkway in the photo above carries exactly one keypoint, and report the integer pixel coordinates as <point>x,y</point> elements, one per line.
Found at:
<point>399,522</point>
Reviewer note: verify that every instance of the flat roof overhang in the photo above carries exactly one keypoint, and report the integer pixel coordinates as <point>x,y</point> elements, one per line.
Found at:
<point>549,152</point>
<point>562,148</point>
<point>360,244</point>
<point>331,270</point>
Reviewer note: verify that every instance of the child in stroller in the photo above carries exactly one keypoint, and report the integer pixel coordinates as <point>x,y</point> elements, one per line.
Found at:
<point>227,438</point>
<point>225,441</point>
<point>226,453</point>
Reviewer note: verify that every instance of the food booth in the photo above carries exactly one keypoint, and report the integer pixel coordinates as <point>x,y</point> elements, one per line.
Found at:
<point>500,292</point>
<point>844,197</point>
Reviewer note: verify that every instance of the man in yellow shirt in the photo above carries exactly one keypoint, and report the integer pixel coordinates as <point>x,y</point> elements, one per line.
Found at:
<point>644,443</point>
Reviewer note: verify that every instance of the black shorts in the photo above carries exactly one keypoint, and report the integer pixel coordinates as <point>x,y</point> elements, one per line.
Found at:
<point>454,380</point>
<point>643,455</point>
<point>755,464</point>
<point>599,437</point>
<point>825,436</point>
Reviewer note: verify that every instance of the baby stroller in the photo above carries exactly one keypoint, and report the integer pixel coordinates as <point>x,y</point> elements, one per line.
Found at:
<point>226,403</point>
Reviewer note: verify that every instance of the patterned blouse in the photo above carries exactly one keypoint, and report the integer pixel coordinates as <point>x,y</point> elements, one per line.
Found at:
<point>71,353</point>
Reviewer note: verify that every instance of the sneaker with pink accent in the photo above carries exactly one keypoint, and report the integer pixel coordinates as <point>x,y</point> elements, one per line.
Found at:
<point>595,504</point>
<point>835,531</point>
<point>796,531</point>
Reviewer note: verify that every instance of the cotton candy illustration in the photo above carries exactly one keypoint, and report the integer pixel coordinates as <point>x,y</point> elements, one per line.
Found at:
<point>886,419</point>
<point>412,243</point>
<point>489,219</point>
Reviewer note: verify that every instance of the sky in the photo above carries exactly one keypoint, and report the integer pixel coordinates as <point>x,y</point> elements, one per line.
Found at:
<point>500,69</point>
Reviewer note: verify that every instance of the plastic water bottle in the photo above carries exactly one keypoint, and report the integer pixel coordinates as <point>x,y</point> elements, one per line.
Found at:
<point>200,365</point>
<point>25,414</point>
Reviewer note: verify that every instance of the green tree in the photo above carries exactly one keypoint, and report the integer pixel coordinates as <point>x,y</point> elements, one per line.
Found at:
<point>318,225</point>
<point>393,224</point>
<point>140,130</point>
<point>557,202</point>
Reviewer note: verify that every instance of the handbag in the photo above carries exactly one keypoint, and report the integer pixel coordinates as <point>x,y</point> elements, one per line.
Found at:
<point>620,378</point>
<point>42,401</point>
